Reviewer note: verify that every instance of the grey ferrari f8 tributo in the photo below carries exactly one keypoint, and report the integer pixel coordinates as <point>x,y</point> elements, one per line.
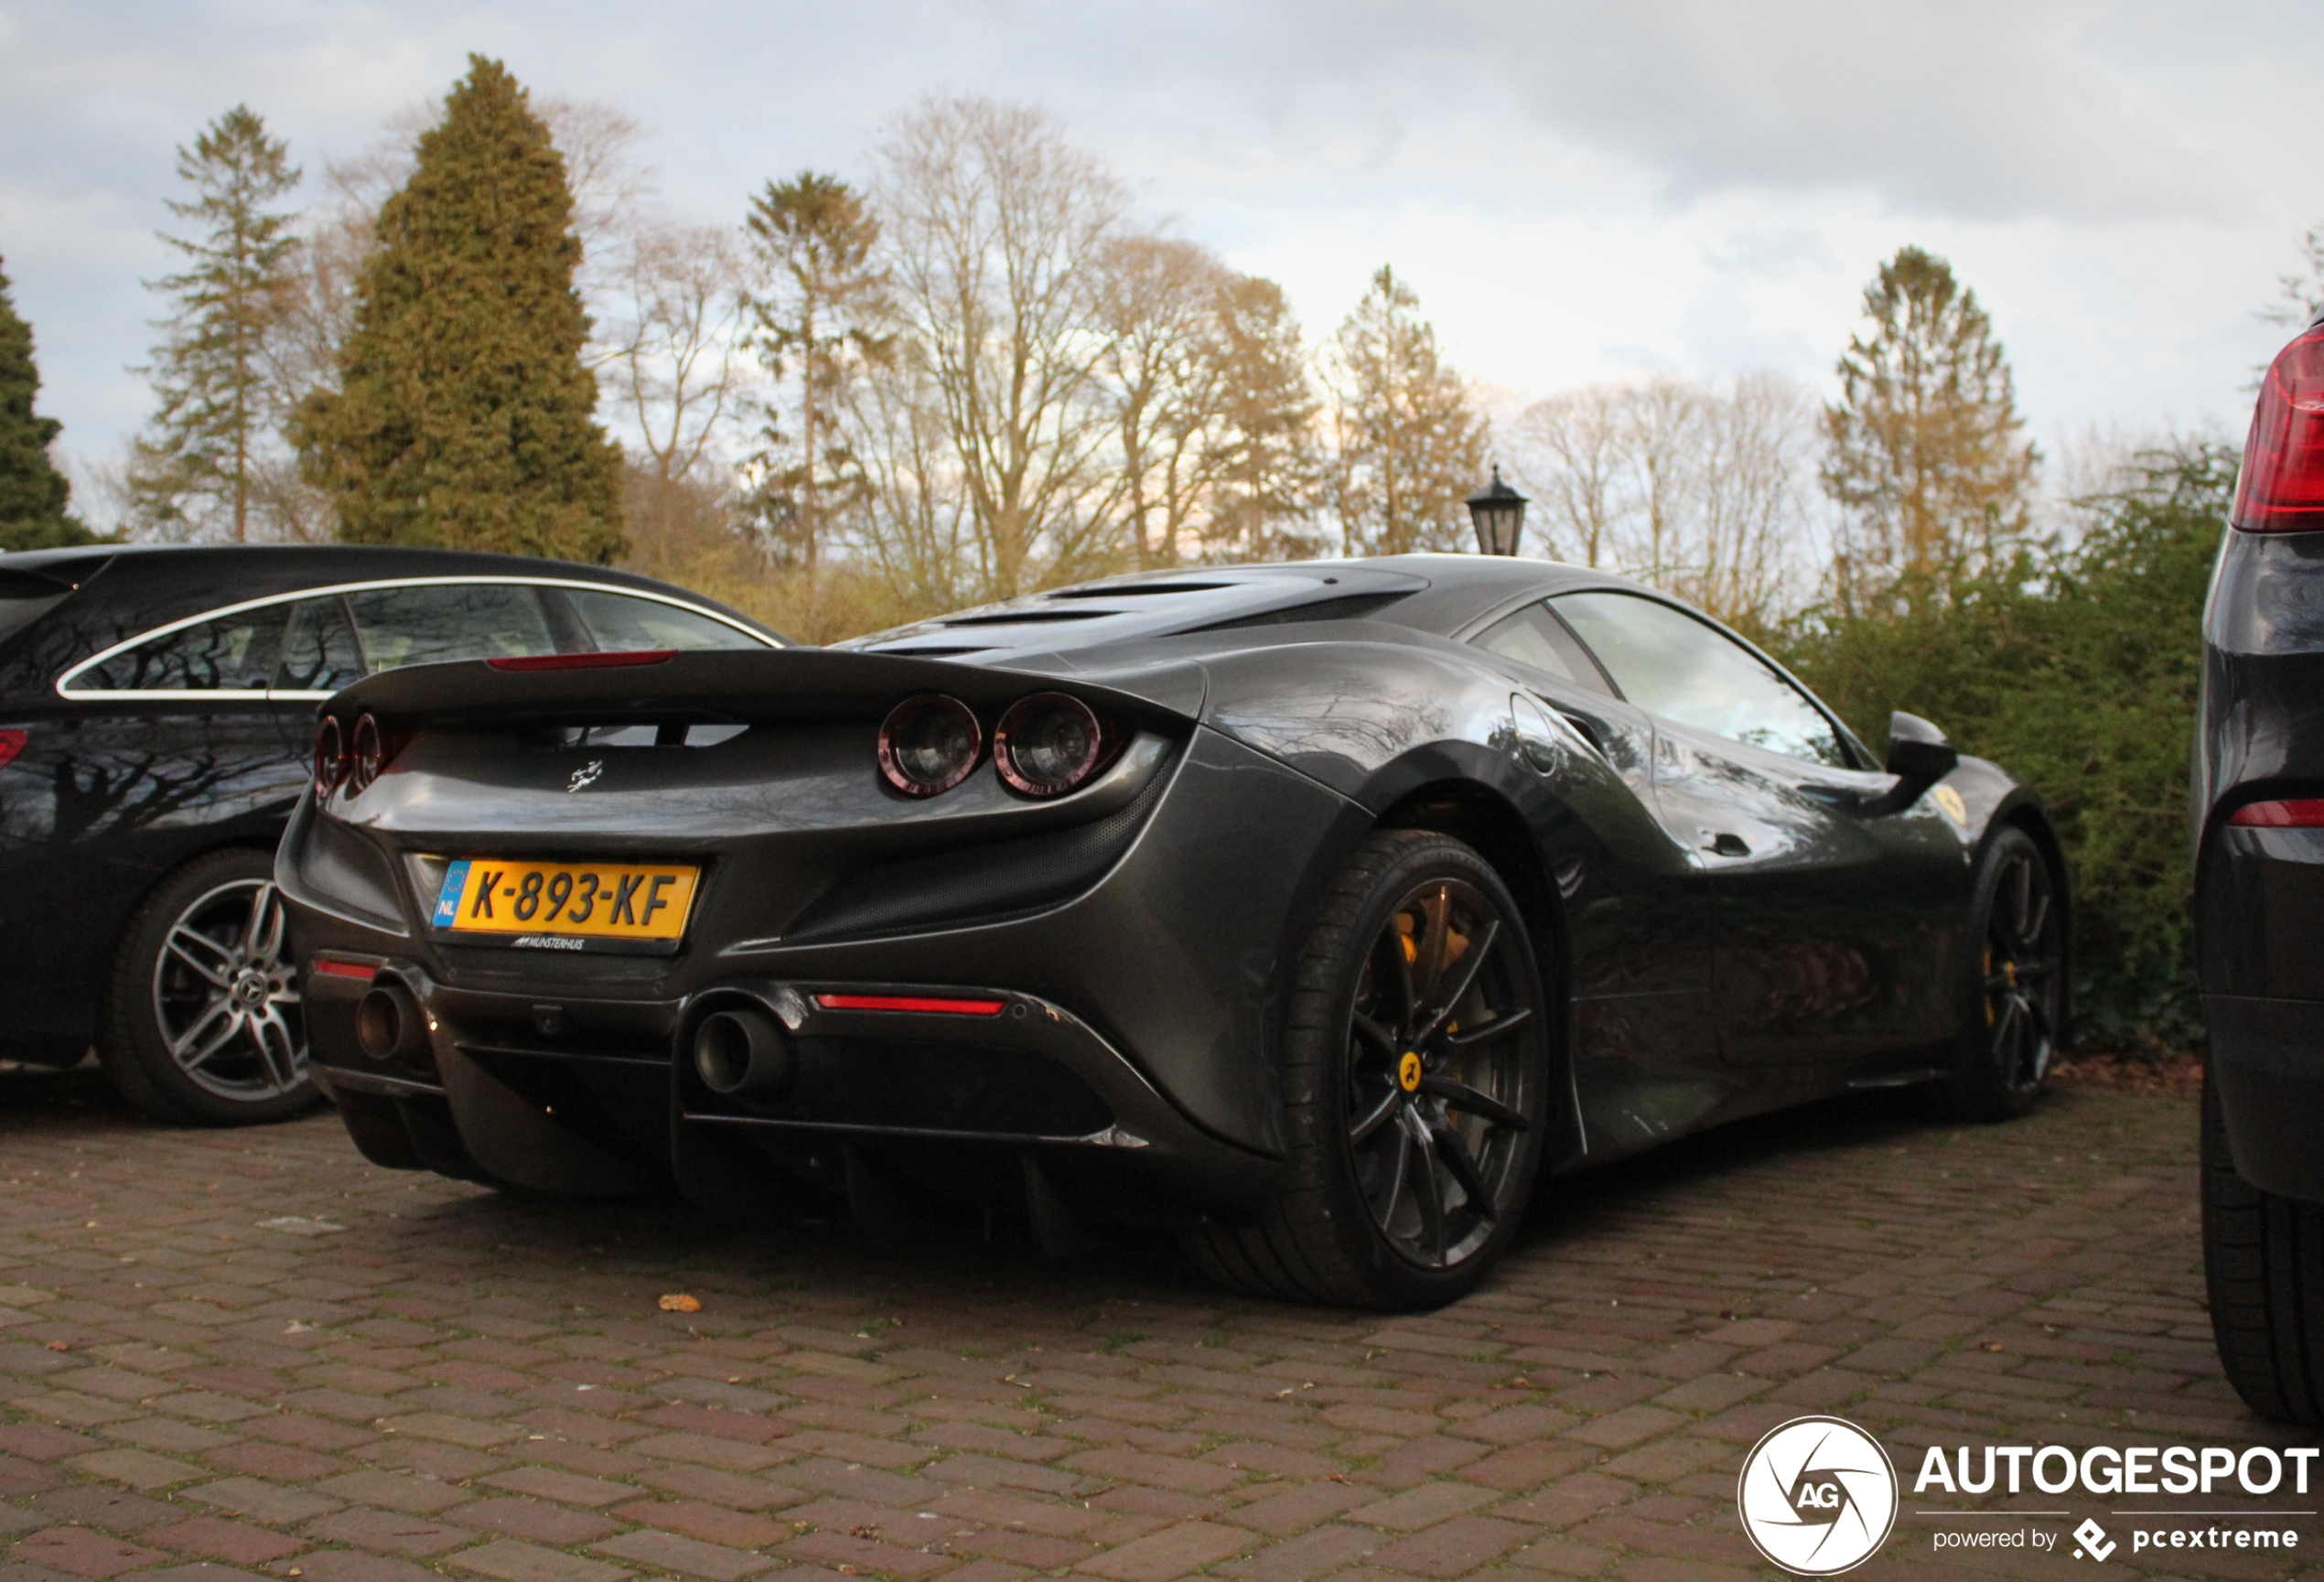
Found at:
<point>1318,912</point>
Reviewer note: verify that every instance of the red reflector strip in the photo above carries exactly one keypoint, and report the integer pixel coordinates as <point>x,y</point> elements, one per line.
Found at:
<point>583,661</point>
<point>2294,812</point>
<point>12,742</point>
<point>925,1003</point>
<point>328,968</point>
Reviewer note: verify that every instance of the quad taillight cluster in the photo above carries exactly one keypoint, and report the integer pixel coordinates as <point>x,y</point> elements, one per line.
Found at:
<point>1044,745</point>
<point>2282,488</point>
<point>352,763</point>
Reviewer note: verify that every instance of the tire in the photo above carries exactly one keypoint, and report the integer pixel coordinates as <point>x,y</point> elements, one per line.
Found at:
<point>1384,1128</point>
<point>2264,1268</point>
<point>190,976</point>
<point>2013,983</point>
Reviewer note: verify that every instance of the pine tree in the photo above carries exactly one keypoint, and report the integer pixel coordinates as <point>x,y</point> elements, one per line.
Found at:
<point>1923,450</point>
<point>464,416</point>
<point>1268,472</point>
<point>33,493</point>
<point>209,461</point>
<point>1411,446</point>
<point>818,293</point>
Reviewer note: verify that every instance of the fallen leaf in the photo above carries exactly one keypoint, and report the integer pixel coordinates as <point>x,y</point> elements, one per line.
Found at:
<point>1993,1345</point>
<point>60,1345</point>
<point>679,1302</point>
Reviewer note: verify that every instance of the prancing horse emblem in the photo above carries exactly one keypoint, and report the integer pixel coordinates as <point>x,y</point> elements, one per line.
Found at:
<point>587,773</point>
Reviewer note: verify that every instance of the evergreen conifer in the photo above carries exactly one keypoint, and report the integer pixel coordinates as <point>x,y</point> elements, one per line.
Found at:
<point>32,492</point>
<point>211,464</point>
<point>464,417</point>
<point>1924,450</point>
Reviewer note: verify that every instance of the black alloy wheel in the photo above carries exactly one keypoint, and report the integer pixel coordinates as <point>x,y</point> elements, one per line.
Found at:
<point>202,1022</point>
<point>2015,1000</point>
<point>1416,1088</point>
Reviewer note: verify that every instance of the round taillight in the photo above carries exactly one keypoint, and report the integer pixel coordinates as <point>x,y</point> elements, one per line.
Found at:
<point>364,759</point>
<point>928,744</point>
<point>1047,744</point>
<point>330,757</point>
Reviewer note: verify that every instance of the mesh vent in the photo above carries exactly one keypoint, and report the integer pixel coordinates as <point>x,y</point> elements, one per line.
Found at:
<point>983,881</point>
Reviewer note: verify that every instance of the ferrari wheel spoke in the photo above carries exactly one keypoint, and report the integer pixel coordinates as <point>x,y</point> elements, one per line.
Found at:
<point>1396,1179</point>
<point>1372,1033</point>
<point>2037,912</point>
<point>1468,1101</point>
<point>1458,1159</point>
<point>1479,949</point>
<point>1499,1028</point>
<point>1379,1116</point>
<point>1427,1189</point>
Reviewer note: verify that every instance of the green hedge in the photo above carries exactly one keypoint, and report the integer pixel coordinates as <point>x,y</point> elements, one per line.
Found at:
<point>2076,670</point>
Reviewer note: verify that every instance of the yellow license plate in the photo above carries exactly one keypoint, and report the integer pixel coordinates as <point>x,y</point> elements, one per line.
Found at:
<point>566,900</point>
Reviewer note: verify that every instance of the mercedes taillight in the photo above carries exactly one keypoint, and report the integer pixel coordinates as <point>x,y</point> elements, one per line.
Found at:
<point>2282,488</point>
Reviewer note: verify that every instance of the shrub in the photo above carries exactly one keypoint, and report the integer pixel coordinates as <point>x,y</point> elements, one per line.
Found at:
<point>2076,669</point>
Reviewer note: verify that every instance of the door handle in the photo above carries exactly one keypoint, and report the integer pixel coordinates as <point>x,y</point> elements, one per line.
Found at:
<point>1722,844</point>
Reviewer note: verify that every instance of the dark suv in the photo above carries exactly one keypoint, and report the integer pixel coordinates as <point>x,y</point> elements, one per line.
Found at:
<point>2259,900</point>
<point>156,720</point>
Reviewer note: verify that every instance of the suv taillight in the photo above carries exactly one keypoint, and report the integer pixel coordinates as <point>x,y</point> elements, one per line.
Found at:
<point>12,742</point>
<point>2282,488</point>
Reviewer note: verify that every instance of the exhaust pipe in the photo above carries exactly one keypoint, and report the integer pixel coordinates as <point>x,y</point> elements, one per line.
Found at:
<point>390,1026</point>
<point>741,1053</point>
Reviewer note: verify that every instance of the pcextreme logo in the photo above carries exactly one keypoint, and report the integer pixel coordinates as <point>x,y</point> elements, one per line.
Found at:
<point>1818,1496</point>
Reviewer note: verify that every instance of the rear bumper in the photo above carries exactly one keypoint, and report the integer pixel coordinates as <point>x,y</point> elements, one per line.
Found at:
<point>593,1097</point>
<point>2267,1064</point>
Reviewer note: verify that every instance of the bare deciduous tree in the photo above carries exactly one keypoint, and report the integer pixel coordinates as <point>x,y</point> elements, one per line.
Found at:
<point>1697,488</point>
<point>996,225</point>
<point>1158,305</point>
<point>675,364</point>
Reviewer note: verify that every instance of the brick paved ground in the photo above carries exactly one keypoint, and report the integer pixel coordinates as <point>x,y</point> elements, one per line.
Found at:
<point>482,1386</point>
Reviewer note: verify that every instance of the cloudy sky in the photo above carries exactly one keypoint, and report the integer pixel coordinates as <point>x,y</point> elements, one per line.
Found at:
<point>1578,192</point>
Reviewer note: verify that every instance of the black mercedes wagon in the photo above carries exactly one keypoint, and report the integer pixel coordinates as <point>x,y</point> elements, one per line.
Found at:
<point>2259,902</point>
<point>156,716</point>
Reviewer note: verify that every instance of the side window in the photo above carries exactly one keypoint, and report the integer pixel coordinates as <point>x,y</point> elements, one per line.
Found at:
<point>319,650</point>
<point>232,653</point>
<point>619,623</point>
<point>400,625</point>
<point>1671,665</point>
<point>1536,639</point>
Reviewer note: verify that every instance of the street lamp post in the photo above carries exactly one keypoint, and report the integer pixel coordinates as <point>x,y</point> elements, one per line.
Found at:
<point>1499,513</point>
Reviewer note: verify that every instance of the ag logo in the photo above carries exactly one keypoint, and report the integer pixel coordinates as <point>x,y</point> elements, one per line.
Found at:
<point>1818,1496</point>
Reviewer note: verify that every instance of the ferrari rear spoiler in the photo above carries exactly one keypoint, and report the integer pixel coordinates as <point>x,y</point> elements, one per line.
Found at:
<point>729,686</point>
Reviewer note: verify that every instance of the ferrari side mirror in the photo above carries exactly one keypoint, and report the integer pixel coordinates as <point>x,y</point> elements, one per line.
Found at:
<point>1918,751</point>
<point>1919,756</point>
